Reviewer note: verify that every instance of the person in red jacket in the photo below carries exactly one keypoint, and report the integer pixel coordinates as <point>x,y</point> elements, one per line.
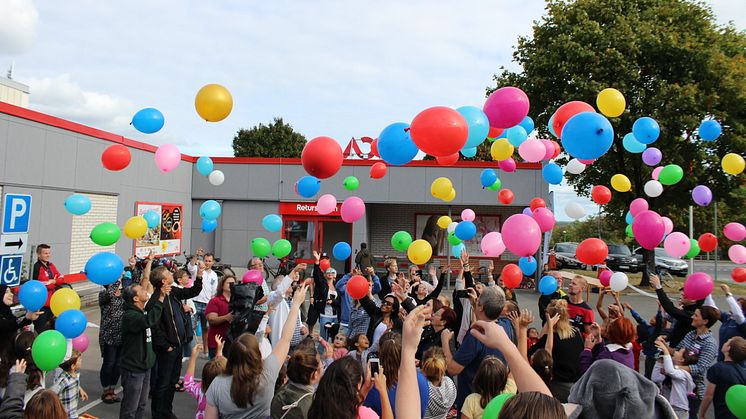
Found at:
<point>47,273</point>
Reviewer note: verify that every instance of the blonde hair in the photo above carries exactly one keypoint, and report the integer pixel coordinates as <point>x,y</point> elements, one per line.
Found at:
<point>563,328</point>
<point>388,262</point>
<point>581,281</point>
<point>434,364</point>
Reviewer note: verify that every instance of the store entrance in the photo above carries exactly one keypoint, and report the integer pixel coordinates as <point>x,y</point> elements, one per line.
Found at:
<point>307,234</point>
<point>333,232</point>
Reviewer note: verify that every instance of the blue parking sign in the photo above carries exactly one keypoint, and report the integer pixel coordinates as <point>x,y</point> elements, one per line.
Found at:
<point>10,270</point>
<point>16,213</point>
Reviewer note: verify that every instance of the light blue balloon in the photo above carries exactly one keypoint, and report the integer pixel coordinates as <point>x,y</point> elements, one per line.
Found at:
<point>457,249</point>
<point>479,125</point>
<point>488,177</point>
<point>71,323</point>
<point>587,135</point>
<point>552,174</point>
<point>549,126</point>
<point>395,146</point>
<point>341,251</point>
<point>631,144</point>
<point>469,152</point>
<point>308,186</point>
<point>77,204</point>
<point>104,268</point>
<point>646,130</point>
<point>33,295</point>
<point>208,226</point>
<point>527,124</point>
<point>204,166</point>
<point>710,130</point>
<point>465,230</point>
<point>516,135</point>
<point>152,218</point>
<point>272,223</point>
<point>210,210</point>
<point>629,218</point>
<point>148,120</point>
<point>548,284</point>
<point>527,265</point>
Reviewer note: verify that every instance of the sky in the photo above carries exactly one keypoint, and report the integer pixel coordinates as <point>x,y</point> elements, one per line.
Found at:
<point>333,68</point>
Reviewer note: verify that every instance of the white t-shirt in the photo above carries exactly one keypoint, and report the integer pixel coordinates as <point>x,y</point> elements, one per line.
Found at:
<point>328,309</point>
<point>681,382</point>
<point>209,286</point>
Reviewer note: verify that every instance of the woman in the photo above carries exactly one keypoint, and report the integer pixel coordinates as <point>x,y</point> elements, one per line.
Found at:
<point>304,370</point>
<point>110,339</point>
<point>441,387</point>
<point>325,302</point>
<point>341,392</point>
<point>701,342</point>
<point>618,346</point>
<point>218,314</point>
<point>443,318</point>
<point>382,319</point>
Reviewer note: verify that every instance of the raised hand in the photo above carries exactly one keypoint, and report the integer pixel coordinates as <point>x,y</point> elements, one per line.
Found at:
<point>379,380</point>
<point>464,257</point>
<point>412,327</point>
<point>316,256</point>
<point>553,321</point>
<point>21,366</point>
<point>655,281</point>
<point>590,341</point>
<point>725,288</point>
<point>527,317</point>
<point>300,296</point>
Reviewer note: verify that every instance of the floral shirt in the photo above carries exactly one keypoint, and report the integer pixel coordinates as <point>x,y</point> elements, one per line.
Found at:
<point>195,389</point>
<point>112,308</point>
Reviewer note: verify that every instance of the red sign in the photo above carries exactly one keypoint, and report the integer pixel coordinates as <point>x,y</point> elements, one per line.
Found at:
<point>304,208</point>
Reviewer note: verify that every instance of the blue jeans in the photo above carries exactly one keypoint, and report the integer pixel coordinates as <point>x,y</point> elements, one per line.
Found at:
<point>323,321</point>
<point>109,374</point>
<point>200,314</point>
<point>135,394</point>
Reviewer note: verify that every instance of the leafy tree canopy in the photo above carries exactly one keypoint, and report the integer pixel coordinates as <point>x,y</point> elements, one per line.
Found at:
<point>274,140</point>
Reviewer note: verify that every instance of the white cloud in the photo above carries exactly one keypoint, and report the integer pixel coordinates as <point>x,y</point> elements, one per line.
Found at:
<point>18,20</point>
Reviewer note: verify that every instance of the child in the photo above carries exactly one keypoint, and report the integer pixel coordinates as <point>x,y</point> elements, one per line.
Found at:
<point>67,384</point>
<point>442,388</point>
<point>533,337</point>
<point>359,350</point>
<point>340,346</point>
<point>490,381</point>
<point>542,362</point>
<point>680,384</point>
<point>211,370</point>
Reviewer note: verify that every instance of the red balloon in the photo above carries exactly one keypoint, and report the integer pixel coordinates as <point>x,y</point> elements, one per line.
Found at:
<point>537,203</point>
<point>374,149</point>
<point>511,276</point>
<point>357,287</point>
<point>567,111</point>
<point>495,132</point>
<point>378,170</point>
<point>505,196</point>
<point>557,149</point>
<point>447,160</point>
<point>592,251</point>
<point>738,274</point>
<point>601,194</point>
<point>324,264</point>
<point>322,157</point>
<point>707,242</point>
<point>116,157</point>
<point>439,131</point>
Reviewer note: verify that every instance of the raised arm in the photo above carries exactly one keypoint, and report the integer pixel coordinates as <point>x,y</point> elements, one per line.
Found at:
<point>407,391</point>
<point>280,351</point>
<point>600,304</point>
<point>735,309</point>
<point>145,279</point>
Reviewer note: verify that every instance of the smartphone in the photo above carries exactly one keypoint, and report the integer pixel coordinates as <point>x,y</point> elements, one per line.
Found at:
<point>373,362</point>
<point>461,294</point>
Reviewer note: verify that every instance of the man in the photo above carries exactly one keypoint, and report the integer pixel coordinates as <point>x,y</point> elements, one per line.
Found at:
<point>392,271</point>
<point>171,333</point>
<point>137,348</point>
<point>364,259</point>
<point>683,315</point>
<point>45,272</point>
<point>581,314</point>
<point>209,288</point>
<point>544,300</point>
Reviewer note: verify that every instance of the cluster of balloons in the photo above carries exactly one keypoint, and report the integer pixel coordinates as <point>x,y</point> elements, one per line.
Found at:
<point>260,247</point>
<point>442,188</point>
<point>205,167</point>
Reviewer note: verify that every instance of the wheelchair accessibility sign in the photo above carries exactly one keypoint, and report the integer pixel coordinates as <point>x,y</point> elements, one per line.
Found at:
<point>10,270</point>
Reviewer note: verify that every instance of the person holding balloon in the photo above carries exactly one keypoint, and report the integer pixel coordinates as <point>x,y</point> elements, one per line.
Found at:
<point>350,306</point>
<point>683,315</point>
<point>45,272</point>
<point>545,300</point>
<point>9,323</point>
<point>326,299</point>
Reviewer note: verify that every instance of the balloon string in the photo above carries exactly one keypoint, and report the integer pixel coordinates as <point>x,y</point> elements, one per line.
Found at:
<point>643,293</point>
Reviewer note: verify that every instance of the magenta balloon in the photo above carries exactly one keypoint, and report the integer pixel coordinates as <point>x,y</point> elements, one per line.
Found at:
<point>521,235</point>
<point>549,146</point>
<point>605,277</point>
<point>735,231</point>
<point>656,172</point>
<point>669,224</point>
<point>506,107</point>
<point>637,206</point>
<point>544,218</point>
<point>253,275</point>
<point>352,209</point>
<point>698,286</point>
<point>677,244</point>
<point>702,195</point>
<point>586,162</point>
<point>80,343</point>
<point>736,254</point>
<point>507,165</point>
<point>651,156</point>
<point>492,244</point>
<point>649,229</point>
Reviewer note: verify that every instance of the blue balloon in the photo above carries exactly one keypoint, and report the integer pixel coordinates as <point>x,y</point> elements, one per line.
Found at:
<point>516,135</point>
<point>33,295</point>
<point>552,173</point>
<point>710,130</point>
<point>646,130</point>
<point>549,126</point>
<point>71,323</point>
<point>527,211</point>
<point>631,144</point>
<point>148,120</point>
<point>104,268</point>
<point>395,146</point>
<point>308,186</point>
<point>204,166</point>
<point>152,218</point>
<point>527,124</point>
<point>208,226</point>
<point>341,251</point>
<point>469,152</point>
<point>548,284</point>
<point>504,134</point>
<point>587,135</point>
<point>210,210</point>
<point>465,230</point>
<point>527,265</point>
<point>77,204</point>
<point>488,177</point>
<point>629,218</point>
<point>272,223</point>
<point>479,125</point>
<point>457,249</point>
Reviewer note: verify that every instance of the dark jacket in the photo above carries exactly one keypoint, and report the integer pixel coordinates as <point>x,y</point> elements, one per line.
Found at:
<point>376,317</point>
<point>683,317</point>
<point>292,402</point>
<point>137,337</point>
<point>385,286</point>
<point>363,259</point>
<point>174,327</point>
<point>321,290</point>
<point>432,295</point>
<point>12,405</point>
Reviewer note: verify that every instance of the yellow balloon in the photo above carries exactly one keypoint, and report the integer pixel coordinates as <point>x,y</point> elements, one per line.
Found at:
<point>135,227</point>
<point>444,221</point>
<point>64,299</point>
<point>611,102</point>
<point>441,187</point>
<point>451,196</point>
<point>419,252</point>
<point>733,163</point>
<point>501,149</point>
<point>620,183</point>
<point>213,102</point>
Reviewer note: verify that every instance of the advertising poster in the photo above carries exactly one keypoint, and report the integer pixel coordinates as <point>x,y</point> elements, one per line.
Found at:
<point>426,228</point>
<point>165,238</point>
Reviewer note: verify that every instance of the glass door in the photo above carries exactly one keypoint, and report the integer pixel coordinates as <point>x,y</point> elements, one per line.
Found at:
<point>333,232</point>
<point>303,236</point>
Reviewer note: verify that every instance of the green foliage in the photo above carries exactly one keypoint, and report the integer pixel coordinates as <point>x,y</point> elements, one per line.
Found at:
<point>577,231</point>
<point>274,140</point>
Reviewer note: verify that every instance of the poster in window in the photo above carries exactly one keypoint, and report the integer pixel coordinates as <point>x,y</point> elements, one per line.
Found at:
<point>165,238</point>
<point>426,228</point>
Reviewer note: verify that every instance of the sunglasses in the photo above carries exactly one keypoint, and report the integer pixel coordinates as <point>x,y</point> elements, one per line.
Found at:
<point>387,303</point>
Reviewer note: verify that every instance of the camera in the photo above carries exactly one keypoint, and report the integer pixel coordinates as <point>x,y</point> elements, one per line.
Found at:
<point>243,301</point>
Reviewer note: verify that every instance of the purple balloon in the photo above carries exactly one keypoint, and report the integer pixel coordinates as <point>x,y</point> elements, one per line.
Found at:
<point>652,156</point>
<point>527,211</point>
<point>702,195</point>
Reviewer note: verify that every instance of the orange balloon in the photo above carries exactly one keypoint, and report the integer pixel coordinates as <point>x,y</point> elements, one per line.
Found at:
<point>592,251</point>
<point>537,203</point>
<point>324,264</point>
<point>357,287</point>
<point>378,170</point>
<point>511,276</point>
<point>505,196</point>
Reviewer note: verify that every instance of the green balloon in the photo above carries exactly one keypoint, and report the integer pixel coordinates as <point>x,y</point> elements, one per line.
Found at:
<point>401,241</point>
<point>629,231</point>
<point>351,183</point>
<point>49,350</point>
<point>492,410</point>
<point>281,248</point>
<point>671,174</point>
<point>495,186</point>
<point>260,247</point>
<point>693,250</point>
<point>105,234</point>
<point>453,239</point>
<point>734,399</point>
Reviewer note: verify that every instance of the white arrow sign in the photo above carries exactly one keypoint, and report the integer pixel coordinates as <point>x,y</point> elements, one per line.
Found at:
<point>13,244</point>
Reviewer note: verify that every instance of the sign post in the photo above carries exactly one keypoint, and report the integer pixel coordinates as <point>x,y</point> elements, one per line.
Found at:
<point>14,238</point>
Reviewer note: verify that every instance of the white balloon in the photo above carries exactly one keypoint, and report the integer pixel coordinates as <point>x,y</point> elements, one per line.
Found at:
<point>653,188</point>
<point>216,178</point>
<point>452,227</point>
<point>618,281</point>
<point>574,210</point>
<point>575,167</point>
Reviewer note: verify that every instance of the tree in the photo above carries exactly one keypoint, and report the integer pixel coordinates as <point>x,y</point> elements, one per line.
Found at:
<point>274,140</point>
<point>597,226</point>
<point>673,63</point>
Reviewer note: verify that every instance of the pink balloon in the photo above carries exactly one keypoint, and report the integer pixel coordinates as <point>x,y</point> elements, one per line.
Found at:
<point>677,244</point>
<point>352,209</point>
<point>326,204</point>
<point>492,244</point>
<point>506,107</point>
<point>698,286</point>
<point>549,146</point>
<point>167,157</point>
<point>638,205</point>
<point>737,254</point>
<point>532,151</point>
<point>586,162</point>
<point>544,218</point>
<point>656,172</point>
<point>253,275</point>
<point>735,231</point>
<point>507,165</point>
<point>81,343</point>
<point>669,224</point>
<point>605,277</point>
<point>468,215</point>
<point>521,235</point>
<point>649,229</point>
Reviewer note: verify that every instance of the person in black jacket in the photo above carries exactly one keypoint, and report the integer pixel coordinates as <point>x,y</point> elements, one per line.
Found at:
<point>385,317</point>
<point>682,315</point>
<point>171,333</point>
<point>389,277</point>
<point>325,301</point>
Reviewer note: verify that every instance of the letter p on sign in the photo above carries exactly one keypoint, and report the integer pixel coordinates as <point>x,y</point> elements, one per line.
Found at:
<point>16,213</point>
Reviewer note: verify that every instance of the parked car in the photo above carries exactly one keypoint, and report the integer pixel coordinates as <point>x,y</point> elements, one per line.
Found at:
<point>620,258</point>
<point>664,262</point>
<point>565,255</point>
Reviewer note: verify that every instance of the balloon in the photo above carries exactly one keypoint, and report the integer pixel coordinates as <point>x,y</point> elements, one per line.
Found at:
<point>213,102</point>
<point>547,285</point>
<point>652,156</point>
<point>735,231</point>
<point>738,274</point>
<point>527,265</point>
<point>81,343</point>
<point>621,183</point>
<point>649,229</point>
<point>167,157</point>
<point>702,195</point>
<point>32,295</point>
<point>441,187</point>
<point>352,209</point>
<point>209,210</point>
<point>628,231</point>
<point>506,107</point>
<point>374,149</point>
<point>452,227</point>
<point>468,152</point>
<point>710,130</point>
<point>64,299</point>
<point>451,195</point>
<point>272,223</point>
<point>326,204</point>
<point>452,239</point>
<point>135,227</point>
<point>565,112</point>
<point>552,174</point>
<point>544,218</point>
<point>152,218</point>
<point>507,165</point>
<point>527,211</point>
<point>281,248</point>
<point>488,177</point>
<point>605,277</point>
<point>341,251</point>
<point>537,203</point>
<point>468,215</point>
<point>733,164</point>
<point>630,143</point>
<point>592,251</point>
<point>521,235</point>
<point>668,224</point>
<point>77,204</point>
<point>260,247</point>
<point>671,174</point>
<point>656,172</point>
<point>734,400</point>
<point>419,252</point>
<point>653,188</point>
<point>444,221</point>
<point>698,286</point>
<point>204,166</point>
<point>601,194</point>
<point>557,149</point>
<point>532,151</point>
<point>677,244</point>
<point>216,178</point>
<point>646,130</point>
<point>574,210</point>
<point>449,160</point>
<point>693,250</point>
<point>618,281</point>
<point>587,135</point>
<point>528,124</point>
<point>505,196</point>
<point>401,241</point>
<point>395,146</point>
<point>439,131</point>
<point>254,275</point>
<point>737,254</point>
<point>517,135</point>
<point>511,276</point>
<point>105,234</point>
<point>638,205</point>
<point>479,125</point>
<point>104,268</point>
<point>628,218</point>
<point>71,323</point>
<point>308,186</point>
<point>357,287</point>
<point>465,230</point>
<point>48,350</point>
<point>116,157</point>
<point>501,149</point>
<point>378,170</point>
<point>575,167</point>
<point>457,249</point>
<point>350,183</point>
<point>148,120</point>
<point>707,242</point>
<point>549,146</point>
<point>208,226</point>
<point>322,157</point>
<point>492,244</point>
<point>610,102</point>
